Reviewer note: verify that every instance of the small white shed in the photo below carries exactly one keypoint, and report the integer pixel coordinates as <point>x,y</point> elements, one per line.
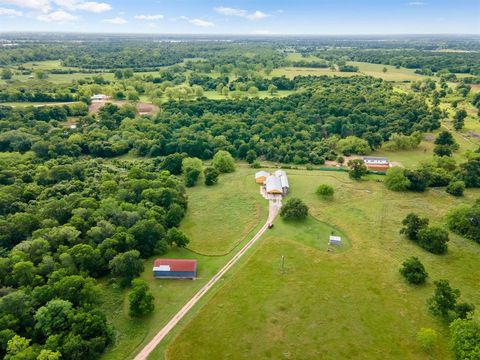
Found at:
<point>335,240</point>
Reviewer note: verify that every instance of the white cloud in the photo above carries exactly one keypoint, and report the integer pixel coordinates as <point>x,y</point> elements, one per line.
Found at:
<point>201,22</point>
<point>10,12</point>
<point>59,16</point>
<point>116,21</point>
<point>257,15</point>
<point>46,6</point>
<point>230,11</point>
<point>227,11</point>
<point>40,5</point>
<point>149,17</point>
<point>416,3</point>
<point>92,6</point>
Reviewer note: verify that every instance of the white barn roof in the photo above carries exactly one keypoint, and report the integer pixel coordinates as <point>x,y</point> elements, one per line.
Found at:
<point>98,96</point>
<point>261,174</point>
<point>283,178</point>
<point>273,184</point>
<point>375,160</point>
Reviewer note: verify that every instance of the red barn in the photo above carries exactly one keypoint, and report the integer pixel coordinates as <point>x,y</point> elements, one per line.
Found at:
<point>175,269</point>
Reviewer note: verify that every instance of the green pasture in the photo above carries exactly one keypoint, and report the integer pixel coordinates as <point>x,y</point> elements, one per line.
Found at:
<point>237,197</point>
<point>349,305</point>
<point>220,216</point>
<point>213,95</point>
<point>392,73</point>
<point>291,72</point>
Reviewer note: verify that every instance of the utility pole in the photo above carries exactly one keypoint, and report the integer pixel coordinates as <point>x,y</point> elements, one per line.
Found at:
<point>283,264</point>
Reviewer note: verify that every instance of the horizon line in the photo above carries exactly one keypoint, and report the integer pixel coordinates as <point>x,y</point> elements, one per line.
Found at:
<point>232,34</point>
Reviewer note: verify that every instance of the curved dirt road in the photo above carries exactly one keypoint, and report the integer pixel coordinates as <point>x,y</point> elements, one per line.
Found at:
<point>273,208</point>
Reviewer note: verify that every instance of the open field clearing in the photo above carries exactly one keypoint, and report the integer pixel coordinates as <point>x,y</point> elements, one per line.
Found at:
<point>392,73</point>
<point>298,57</point>
<point>291,72</point>
<point>233,213</point>
<point>67,78</point>
<point>213,95</point>
<point>375,70</point>
<point>220,216</point>
<point>23,104</point>
<point>327,305</point>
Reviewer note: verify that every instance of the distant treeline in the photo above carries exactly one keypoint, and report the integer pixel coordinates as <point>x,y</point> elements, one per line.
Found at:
<point>455,62</point>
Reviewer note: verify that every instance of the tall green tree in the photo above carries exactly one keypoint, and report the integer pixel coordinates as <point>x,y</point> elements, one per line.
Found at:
<point>459,119</point>
<point>465,340</point>
<point>357,169</point>
<point>444,299</point>
<point>141,299</point>
<point>126,266</point>
<point>294,209</point>
<point>223,161</point>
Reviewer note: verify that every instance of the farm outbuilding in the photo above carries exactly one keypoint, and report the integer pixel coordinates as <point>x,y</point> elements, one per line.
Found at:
<point>261,177</point>
<point>99,97</point>
<point>175,269</point>
<point>282,175</point>
<point>335,240</point>
<point>376,163</point>
<point>273,185</point>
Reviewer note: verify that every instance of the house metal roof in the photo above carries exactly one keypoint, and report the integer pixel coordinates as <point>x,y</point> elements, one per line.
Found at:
<point>175,265</point>
<point>261,174</point>
<point>273,184</point>
<point>375,159</point>
<point>283,178</point>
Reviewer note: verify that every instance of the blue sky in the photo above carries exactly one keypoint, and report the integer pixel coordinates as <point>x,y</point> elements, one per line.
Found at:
<point>243,17</point>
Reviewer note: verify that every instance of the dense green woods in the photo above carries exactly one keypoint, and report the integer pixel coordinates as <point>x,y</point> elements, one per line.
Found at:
<point>87,194</point>
<point>64,222</point>
<point>301,128</point>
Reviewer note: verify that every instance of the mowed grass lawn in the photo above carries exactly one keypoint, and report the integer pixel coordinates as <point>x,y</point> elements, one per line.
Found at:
<point>245,211</point>
<point>350,305</point>
<point>220,216</point>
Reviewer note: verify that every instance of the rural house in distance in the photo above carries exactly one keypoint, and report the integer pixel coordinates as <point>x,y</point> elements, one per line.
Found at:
<point>376,163</point>
<point>273,184</point>
<point>175,269</point>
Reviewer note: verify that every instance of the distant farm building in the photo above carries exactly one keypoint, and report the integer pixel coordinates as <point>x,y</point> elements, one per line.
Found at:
<point>99,97</point>
<point>175,269</point>
<point>335,240</point>
<point>274,184</point>
<point>282,175</point>
<point>261,177</point>
<point>376,163</point>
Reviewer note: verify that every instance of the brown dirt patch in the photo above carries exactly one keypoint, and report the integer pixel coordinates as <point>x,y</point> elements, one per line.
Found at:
<point>147,109</point>
<point>142,108</point>
<point>474,134</point>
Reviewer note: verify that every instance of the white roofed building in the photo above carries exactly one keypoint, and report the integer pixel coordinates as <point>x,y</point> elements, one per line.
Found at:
<point>273,185</point>
<point>335,240</point>
<point>99,97</point>
<point>282,175</point>
<point>261,177</point>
